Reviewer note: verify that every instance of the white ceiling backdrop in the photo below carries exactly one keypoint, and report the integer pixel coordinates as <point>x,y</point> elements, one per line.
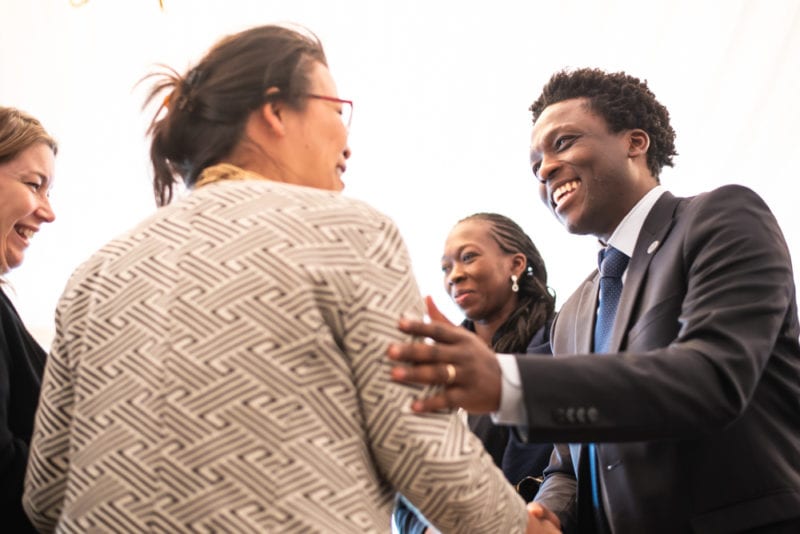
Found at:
<point>441,91</point>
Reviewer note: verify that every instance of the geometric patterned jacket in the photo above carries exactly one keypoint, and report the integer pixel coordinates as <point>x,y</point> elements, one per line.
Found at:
<point>221,368</point>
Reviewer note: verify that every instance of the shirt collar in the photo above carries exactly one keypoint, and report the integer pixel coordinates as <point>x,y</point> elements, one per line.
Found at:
<point>627,232</point>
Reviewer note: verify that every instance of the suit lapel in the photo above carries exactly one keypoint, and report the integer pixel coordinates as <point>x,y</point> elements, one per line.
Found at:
<point>654,231</point>
<point>582,340</point>
<point>587,308</point>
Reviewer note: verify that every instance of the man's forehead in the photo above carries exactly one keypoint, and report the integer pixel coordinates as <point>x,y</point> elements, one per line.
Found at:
<point>564,109</point>
<point>561,114</point>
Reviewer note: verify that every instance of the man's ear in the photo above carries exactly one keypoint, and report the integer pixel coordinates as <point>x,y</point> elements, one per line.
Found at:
<point>638,142</point>
<point>272,112</point>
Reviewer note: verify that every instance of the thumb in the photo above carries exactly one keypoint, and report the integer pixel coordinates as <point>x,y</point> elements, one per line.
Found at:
<point>540,511</point>
<point>536,510</point>
<point>434,313</point>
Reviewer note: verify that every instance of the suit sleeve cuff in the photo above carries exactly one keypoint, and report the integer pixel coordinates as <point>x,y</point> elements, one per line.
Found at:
<point>512,408</point>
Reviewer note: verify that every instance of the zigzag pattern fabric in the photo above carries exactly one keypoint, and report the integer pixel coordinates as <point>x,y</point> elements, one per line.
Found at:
<point>221,368</point>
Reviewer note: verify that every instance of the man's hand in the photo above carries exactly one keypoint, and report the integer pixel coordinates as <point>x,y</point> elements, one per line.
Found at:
<point>457,359</point>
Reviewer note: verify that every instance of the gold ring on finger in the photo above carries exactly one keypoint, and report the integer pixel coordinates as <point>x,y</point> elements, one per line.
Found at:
<point>451,373</point>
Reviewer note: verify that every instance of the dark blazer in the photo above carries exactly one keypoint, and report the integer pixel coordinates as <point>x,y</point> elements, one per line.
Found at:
<point>21,365</point>
<point>697,405</point>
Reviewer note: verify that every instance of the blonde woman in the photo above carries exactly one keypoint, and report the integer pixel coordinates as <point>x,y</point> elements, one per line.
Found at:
<point>27,154</point>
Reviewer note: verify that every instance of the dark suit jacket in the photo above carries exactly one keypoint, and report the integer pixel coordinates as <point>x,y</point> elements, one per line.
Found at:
<point>696,409</point>
<point>21,365</point>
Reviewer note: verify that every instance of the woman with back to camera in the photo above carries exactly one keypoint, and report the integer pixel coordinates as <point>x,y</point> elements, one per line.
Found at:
<point>27,157</point>
<point>496,276</point>
<point>221,366</point>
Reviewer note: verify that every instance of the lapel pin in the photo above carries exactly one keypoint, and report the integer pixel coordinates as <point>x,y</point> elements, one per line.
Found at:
<point>653,246</point>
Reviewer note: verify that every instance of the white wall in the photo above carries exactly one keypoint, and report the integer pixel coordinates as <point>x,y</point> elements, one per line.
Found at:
<point>441,92</point>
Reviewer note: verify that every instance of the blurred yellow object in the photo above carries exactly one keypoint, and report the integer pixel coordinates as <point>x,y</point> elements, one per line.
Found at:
<point>79,3</point>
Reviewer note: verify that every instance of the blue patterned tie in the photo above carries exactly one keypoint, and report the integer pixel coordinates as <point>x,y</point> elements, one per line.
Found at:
<point>612,265</point>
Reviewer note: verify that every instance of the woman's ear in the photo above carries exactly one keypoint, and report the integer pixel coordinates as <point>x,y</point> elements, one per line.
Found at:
<point>272,112</point>
<point>518,264</point>
<point>638,142</point>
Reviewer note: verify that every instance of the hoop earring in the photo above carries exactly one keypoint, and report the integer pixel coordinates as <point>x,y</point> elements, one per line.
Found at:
<point>514,286</point>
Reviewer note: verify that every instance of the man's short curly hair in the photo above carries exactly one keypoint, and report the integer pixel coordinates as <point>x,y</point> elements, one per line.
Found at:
<point>625,102</point>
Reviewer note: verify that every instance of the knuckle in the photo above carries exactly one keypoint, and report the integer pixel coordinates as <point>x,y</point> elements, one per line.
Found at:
<point>436,330</point>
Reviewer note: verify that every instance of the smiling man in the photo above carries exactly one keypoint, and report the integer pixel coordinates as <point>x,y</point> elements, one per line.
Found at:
<point>677,371</point>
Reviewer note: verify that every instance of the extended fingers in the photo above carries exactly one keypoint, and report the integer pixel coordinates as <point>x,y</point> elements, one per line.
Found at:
<point>431,374</point>
<point>418,353</point>
<point>431,404</point>
<point>433,311</point>
<point>436,330</point>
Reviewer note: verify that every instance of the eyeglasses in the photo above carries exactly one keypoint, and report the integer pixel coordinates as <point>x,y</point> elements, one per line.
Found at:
<point>346,111</point>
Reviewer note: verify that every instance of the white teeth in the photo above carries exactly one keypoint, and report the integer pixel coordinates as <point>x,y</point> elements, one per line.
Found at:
<point>27,233</point>
<point>562,190</point>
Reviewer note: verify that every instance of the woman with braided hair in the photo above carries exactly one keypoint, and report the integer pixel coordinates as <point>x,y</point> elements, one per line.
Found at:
<point>496,276</point>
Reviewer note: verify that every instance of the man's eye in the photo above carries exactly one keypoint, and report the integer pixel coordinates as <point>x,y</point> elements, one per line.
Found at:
<point>563,142</point>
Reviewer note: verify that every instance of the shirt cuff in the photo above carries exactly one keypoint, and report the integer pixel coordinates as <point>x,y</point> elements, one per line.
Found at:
<point>512,408</point>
